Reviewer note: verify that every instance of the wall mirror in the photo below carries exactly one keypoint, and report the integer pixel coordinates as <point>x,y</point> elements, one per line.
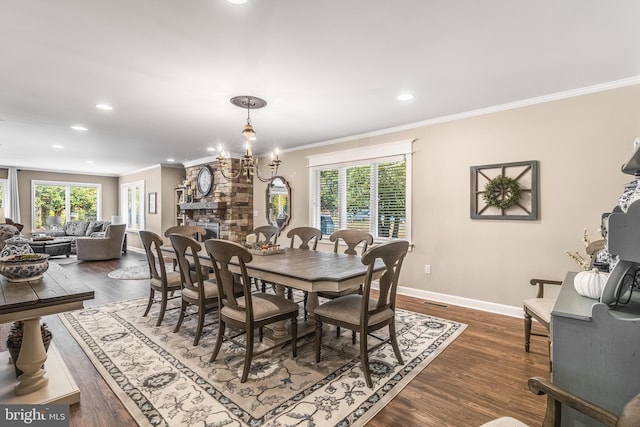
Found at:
<point>278,202</point>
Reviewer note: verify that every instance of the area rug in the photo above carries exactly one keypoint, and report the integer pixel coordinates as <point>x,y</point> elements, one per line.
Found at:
<point>163,380</point>
<point>136,272</point>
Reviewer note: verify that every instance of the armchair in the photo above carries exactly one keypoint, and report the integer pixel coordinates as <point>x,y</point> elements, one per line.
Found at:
<point>102,248</point>
<point>538,308</point>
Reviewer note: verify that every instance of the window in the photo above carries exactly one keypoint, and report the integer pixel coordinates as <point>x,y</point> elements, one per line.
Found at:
<point>55,203</point>
<point>132,204</point>
<point>367,190</point>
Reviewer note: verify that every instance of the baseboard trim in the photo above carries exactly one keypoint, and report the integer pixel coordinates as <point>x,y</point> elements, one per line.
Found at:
<point>505,310</point>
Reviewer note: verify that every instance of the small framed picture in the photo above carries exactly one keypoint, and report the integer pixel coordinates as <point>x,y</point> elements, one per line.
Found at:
<point>153,204</point>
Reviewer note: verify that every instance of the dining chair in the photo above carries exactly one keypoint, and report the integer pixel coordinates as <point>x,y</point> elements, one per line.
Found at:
<point>538,308</point>
<point>250,311</point>
<point>265,233</point>
<point>196,291</point>
<point>193,231</point>
<point>308,238</point>
<point>364,314</point>
<point>352,238</point>
<point>269,233</point>
<point>160,281</point>
<point>306,235</point>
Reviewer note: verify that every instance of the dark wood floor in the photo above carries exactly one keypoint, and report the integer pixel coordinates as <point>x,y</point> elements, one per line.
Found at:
<point>481,376</point>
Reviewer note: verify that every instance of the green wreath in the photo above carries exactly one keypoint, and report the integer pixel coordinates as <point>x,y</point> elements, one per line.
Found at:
<point>502,192</point>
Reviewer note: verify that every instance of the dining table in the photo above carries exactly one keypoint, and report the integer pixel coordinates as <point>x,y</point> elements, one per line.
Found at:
<point>46,378</point>
<point>311,271</point>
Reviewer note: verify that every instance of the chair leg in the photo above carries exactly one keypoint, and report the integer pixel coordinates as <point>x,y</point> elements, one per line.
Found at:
<point>353,337</point>
<point>201,314</point>
<point>150,303</point>
<point>338,331</point>
<point>318,338</point>
<point>181,318</point>
<point>394,341</point>
<point>219,339</point>
<point>306,296</point>
<point>527,331</point>
<point>163,308</point>
<point>247,356</point>
<point>364,358</point>
<point>294,336</point>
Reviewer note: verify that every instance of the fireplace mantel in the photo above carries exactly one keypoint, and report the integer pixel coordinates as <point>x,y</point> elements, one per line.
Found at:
<point>216,206</point>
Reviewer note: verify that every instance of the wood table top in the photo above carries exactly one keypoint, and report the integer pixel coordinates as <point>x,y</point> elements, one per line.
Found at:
<point>304,269</point>
<point>57,287</point>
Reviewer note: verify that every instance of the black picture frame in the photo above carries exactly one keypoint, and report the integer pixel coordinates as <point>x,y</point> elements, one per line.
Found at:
<point>153,203</point>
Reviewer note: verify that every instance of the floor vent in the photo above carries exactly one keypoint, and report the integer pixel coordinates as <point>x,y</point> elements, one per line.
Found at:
<point>437,304</point>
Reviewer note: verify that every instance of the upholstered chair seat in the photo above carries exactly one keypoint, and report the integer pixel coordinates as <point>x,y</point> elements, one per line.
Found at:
<point>264,306</point>
<point>347,309</point>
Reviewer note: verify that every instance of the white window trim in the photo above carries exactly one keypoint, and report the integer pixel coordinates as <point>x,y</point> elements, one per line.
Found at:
<point>141,202</point>
<point>4,183</point>
<point>67,207</point>
<point>401,149</point>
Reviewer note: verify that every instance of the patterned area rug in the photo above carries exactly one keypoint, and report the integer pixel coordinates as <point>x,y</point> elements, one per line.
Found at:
<point>164,380</point>
<point>136,272</point>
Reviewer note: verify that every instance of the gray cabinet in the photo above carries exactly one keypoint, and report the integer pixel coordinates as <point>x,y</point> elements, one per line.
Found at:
<point>595,352</point>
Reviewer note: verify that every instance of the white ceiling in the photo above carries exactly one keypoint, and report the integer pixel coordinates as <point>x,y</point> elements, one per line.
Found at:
<point>328,69</point>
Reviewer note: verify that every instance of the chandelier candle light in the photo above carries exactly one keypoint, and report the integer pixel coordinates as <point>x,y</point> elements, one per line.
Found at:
<point>248,164</point>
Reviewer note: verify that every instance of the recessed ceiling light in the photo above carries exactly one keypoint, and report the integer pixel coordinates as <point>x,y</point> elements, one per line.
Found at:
<point>79,127</point>
<point>405,97</point>
<point>211,149</point>
<point>171,160</point>
<point>57,146</point>
<point>105,107</point>
<point>237,1</point>
<point>89,162</point>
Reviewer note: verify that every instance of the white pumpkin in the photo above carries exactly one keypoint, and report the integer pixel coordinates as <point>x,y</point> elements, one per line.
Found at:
<point>590,284</point>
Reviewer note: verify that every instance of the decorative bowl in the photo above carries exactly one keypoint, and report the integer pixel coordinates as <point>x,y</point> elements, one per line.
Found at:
<point>23,267</point>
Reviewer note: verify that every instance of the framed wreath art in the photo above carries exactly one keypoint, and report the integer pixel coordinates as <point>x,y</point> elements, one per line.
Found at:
<point>505,191</point>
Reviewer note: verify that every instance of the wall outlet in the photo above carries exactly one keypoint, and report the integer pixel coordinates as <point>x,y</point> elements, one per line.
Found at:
<point>255,213</point>
<point>427,269</point>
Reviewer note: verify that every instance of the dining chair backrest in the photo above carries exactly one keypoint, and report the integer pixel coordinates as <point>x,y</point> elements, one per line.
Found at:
<point>306,235</point>
<point>152,244</point>
<point>193,231</point>
<point>351,238</point>
<point>221,252</point>
<point>184,247</point>
<point>267,233</point>
<point>392,254</point>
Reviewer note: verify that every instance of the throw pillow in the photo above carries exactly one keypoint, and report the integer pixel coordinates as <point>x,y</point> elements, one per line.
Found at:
<point>94,227</point>
<point>75,228</point>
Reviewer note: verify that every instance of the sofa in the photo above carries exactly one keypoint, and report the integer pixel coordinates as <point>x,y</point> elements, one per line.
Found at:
<point>104,247</point>
<point>72,230</point>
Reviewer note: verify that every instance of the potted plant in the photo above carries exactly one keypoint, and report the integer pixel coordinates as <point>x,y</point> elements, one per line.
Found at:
<point>14,341</point>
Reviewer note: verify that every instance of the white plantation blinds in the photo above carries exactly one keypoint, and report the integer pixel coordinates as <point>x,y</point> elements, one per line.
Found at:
<point>368,194</point>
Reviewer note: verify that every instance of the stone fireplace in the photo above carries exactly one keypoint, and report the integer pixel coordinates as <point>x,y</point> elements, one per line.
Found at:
<point>227,210</point>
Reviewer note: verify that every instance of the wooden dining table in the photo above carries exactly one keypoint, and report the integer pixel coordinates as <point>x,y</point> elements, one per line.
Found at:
<point>306,270</point>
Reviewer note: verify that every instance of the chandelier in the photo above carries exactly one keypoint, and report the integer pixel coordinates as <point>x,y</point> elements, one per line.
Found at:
<point>248,164</point>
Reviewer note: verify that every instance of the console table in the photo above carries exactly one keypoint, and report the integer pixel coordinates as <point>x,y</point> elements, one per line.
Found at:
<point>56,292</point>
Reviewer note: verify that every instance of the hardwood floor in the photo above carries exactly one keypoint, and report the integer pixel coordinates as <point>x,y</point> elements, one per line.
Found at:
<point>481,376</point>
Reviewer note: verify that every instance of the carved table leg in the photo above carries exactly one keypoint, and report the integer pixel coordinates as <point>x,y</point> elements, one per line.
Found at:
<point>32,357</point>
<point>280,328</point>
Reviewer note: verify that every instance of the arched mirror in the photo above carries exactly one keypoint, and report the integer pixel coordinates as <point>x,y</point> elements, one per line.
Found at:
<point>278,202</point>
